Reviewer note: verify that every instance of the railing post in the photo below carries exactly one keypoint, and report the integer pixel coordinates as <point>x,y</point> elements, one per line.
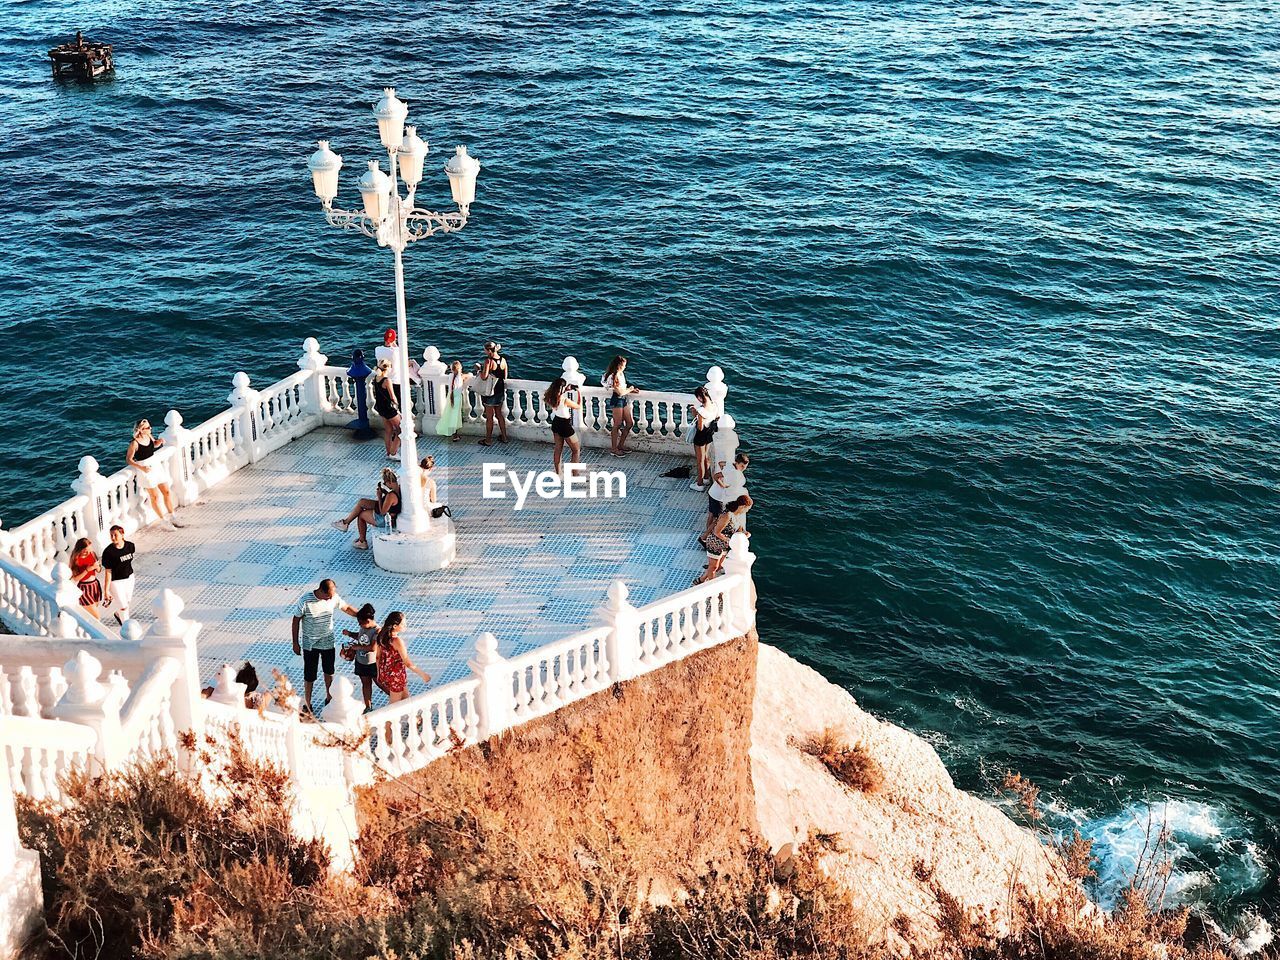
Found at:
<point>432,377</point>
<point>90,702</point>
<point>494,698</point>
<point>717,389</point>
<point>313,390</point>
<point>182,472</point>
<point>21,899</point>
<point>244,400</point>
<point>172,636</point>
<point>346,712</point>
<point>743,604</point>
<point>724,443</point>
<point>66,595</point>
<point>90,486</point>
<point>226,689</point>
<point>622,645</point>
<point>575,378</point>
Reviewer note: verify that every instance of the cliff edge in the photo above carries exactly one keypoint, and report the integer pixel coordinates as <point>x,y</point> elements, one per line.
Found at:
<point>895,847</point>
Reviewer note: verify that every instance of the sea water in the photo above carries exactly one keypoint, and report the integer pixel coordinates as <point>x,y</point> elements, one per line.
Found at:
<point>993,285</point>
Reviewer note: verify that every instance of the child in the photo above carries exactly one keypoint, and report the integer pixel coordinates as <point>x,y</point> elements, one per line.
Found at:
<point>362,653</point>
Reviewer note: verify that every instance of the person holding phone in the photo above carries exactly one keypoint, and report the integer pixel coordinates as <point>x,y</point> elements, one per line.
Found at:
<point>561,399</point>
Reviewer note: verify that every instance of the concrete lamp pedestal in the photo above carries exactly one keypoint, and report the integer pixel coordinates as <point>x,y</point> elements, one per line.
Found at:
<point>434,549</point>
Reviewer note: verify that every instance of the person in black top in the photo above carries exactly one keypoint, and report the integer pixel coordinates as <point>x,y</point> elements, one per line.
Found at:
<point>493,373</point>
<point>384,402</point>
<point>117,561</point>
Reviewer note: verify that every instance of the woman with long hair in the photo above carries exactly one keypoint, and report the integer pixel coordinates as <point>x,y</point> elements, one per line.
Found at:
<point>621,418</point>
<point>388,408</point>
<point>561,400</point>
<point>393,659</point>
<point>706,418</point>
<point>84,570</point>
<point>369,512</point>
<point>716,543</point>
<point>455,391</point>
<point>152,476</point>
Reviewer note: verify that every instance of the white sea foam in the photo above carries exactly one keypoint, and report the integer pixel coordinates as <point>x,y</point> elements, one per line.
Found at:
<point>1211,856</point>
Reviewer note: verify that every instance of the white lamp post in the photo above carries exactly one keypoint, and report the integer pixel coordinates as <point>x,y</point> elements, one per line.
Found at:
<point>395,222</point>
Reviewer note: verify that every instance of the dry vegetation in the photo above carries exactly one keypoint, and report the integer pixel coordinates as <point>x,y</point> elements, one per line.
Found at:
<point>852,765</point>
<point>613,830</point>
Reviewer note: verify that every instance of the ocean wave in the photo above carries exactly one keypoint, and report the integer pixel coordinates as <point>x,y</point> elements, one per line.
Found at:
<point>1211,856</point>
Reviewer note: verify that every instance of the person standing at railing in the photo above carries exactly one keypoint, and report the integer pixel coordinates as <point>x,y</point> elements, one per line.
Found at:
<point>562,399</point>
<point>728,483</point>
<point>388,408</point>
<point>454,393</point>
<point>493,374</point>
<point>621,417</point>
<point>152,476</point>
<point>706,417</point>
<point>363,653</point>
<point>313,635</point>
<point>84,570</point>
<point>716,543</point>
<point>117,580</point>
<point>393,659</point>
<point>390,351</point>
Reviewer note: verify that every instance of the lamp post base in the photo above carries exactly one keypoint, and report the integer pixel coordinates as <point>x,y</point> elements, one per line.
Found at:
<point>416,553</point>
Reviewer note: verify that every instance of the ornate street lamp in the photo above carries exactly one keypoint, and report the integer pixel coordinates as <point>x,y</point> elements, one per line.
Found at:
<point>393,221</point>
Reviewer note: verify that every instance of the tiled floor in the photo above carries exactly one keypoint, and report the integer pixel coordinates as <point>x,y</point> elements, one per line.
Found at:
<point>262,539</point>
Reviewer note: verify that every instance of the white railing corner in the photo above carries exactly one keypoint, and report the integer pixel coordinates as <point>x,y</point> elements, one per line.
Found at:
<point>170,635</point>
<point>90,702</point>
<point>90,485</point>
<point>622,646</point>
<point>433,375</point>
<point>494,694</point>
<point>739,562</point>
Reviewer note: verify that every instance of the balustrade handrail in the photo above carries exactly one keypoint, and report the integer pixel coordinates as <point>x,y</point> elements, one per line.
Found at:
<point>149,694</point>
<point>40,733</point>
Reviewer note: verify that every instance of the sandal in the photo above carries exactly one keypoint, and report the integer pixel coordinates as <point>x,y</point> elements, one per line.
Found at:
<point>361,544</point>
<point>486,443</point>
<point>341,525</point>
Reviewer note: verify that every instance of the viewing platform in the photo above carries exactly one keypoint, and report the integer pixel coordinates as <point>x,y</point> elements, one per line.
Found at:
<point>260,485</point>
<point>257,542</point>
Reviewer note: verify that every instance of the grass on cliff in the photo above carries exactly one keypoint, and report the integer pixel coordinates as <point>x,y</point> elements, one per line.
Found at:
<point>143,864</point>
<point>851,764</point>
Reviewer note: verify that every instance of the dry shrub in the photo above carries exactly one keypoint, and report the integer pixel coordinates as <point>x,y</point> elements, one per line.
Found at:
<point>851,765</point>
<point>125,854</point>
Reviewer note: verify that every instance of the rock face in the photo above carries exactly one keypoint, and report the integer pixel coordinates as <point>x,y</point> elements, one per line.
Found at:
<point>896,846</point>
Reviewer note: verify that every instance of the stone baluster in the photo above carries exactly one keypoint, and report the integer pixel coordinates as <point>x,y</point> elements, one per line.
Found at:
<point>574,378</point>
<point>90,485</point>
<point>67,597</point>
<point>173,636</point>
<point>182,468</point>
<point>622,645</point>
<point>493,699</point>
<point>433,375</point>
<point>743,603</point>
<point>724,443</point>
<point>23,899</point>
<point>716,388</point>
<point>244,400</point>
<point>225,688</point>
<point>26,702</point>
<point>92,703</point>
<point>312,360</point>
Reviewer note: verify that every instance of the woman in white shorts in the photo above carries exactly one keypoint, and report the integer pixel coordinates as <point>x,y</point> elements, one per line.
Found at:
<point>152,475</point>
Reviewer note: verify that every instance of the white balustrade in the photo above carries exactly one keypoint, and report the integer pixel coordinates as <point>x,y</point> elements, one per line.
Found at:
<point>281,414</point>
<point>410,734</point>
<point>691,620</point>
<point>560,673</point>
<point>41,542</point>
<point>40,752</point>
<point>146,720</point>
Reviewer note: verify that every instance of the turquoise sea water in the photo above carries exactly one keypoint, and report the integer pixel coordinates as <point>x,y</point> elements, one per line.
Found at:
<point>994,287</point>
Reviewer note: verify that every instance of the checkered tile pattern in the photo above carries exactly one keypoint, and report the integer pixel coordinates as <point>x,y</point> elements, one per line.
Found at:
<point>261,539</point>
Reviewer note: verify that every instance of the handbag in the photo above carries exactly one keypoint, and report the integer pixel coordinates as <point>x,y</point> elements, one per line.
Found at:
<point>689,432</point>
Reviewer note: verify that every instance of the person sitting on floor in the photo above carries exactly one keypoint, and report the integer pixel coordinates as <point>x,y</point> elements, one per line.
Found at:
<point>370,512</point>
